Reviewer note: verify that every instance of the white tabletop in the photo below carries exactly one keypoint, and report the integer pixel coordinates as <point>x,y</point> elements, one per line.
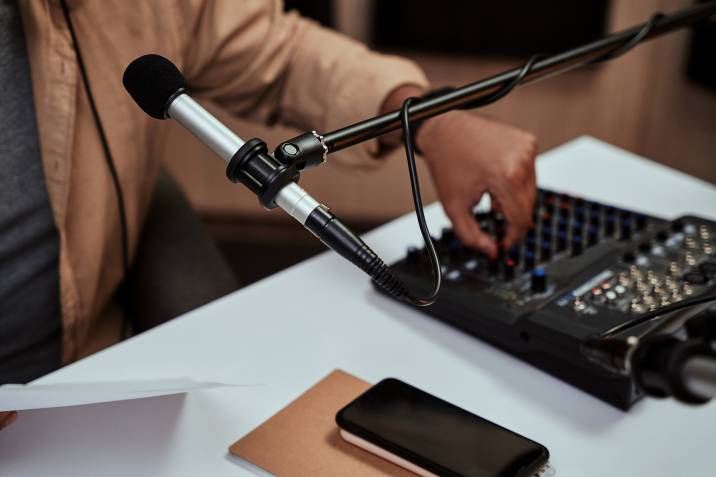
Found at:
<point>288,331</point>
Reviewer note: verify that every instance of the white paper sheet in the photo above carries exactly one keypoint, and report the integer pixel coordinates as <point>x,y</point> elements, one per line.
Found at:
<point>19,397</point>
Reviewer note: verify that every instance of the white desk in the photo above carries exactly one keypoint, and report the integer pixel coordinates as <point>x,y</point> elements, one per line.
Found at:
<point>289,330</point>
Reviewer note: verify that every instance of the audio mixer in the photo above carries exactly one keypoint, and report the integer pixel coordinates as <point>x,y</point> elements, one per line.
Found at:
<point>584,268</point>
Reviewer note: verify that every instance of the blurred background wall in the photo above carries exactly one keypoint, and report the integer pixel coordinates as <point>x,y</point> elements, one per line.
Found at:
<point>658,101</point>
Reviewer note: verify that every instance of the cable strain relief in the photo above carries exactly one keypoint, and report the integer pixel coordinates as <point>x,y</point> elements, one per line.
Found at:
<point>385,277</point>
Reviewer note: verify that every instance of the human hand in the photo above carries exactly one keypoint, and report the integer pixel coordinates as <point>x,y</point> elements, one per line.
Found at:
<point>7,418</point>
<point>469,155</point>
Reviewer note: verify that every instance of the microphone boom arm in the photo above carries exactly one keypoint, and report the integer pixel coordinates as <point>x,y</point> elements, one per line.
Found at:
<point>310,149</point>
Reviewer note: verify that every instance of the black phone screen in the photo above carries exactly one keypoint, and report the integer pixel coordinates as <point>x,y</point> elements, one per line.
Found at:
<point>436,435</point>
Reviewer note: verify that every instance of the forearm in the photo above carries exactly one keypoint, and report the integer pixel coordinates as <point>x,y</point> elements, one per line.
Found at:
<point>393,102</point>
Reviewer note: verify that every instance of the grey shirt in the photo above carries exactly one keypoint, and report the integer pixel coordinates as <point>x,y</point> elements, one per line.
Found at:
<point>30,326</point>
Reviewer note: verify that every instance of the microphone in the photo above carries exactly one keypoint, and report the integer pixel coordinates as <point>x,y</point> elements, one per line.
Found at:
<point>160,90</point>
<point>664,365</point>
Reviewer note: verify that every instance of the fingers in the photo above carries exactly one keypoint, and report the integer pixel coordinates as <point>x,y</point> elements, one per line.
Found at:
<point>7,418</point>
<point>468,230</point>
<point>516,194</point>
<point>516,205</point>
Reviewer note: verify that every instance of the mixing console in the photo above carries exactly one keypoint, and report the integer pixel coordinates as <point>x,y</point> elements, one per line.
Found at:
<point>583,268</point>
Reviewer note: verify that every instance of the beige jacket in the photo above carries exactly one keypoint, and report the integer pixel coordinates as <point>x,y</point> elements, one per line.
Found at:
<point>247,55</point>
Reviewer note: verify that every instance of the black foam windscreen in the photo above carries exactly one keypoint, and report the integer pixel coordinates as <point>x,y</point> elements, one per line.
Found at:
<point>152,81</point>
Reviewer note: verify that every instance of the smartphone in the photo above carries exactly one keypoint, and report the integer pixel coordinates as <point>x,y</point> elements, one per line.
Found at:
<point>432,437</point>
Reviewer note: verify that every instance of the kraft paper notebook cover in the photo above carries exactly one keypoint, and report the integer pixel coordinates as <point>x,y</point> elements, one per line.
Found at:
<point>302,439</point>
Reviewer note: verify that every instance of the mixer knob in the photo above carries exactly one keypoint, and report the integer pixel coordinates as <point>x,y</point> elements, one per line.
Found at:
<point>538,280</point>
<point>625,229</point>
<point>448,236</point>
<point>482,218</point>
<point>592,236</point>
<point>578,213</point>
<point>509,269</point>
<point>548,202</point>
<point>677,226</point>
<point>455,250</point>
<point>493,267</point>
<point>530,243</point>
<point>561,241</point>
<point>562,224</point>
<point>514,253</point>
<point>629,257</point>
<point>609,225</point>
<point>545,252</point>
<point>529,260</point>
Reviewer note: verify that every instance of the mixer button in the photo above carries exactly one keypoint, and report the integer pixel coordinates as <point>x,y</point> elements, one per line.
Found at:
<point>454,275</point>
<point>471,264</point>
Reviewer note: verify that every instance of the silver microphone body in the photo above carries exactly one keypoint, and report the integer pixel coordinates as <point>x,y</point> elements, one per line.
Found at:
<point>209,130</point>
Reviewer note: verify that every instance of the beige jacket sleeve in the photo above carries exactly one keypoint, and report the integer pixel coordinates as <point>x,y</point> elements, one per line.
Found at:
<point>259,62</point>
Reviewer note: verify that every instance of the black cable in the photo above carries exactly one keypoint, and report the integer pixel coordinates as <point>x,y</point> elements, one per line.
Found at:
<point>419,213</point>
<point>480,102</point>
<point>105,149</point>
<point>634,41</point>
<point>655,314</point>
